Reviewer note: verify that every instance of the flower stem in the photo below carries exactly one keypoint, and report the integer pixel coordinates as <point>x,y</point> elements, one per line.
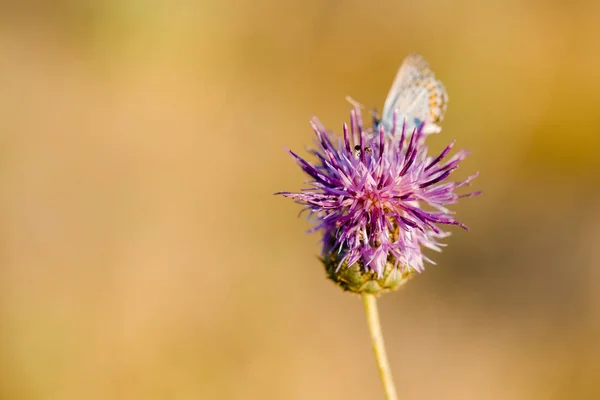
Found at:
<point>378,347</point>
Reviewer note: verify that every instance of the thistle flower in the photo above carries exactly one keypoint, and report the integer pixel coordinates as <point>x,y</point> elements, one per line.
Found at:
<point>378,198</point>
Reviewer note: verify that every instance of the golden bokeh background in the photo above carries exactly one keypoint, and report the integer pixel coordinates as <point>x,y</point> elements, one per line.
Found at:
<point>144,256</point>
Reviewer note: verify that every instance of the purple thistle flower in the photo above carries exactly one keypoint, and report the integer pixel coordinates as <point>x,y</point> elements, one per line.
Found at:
<point>368,193</point>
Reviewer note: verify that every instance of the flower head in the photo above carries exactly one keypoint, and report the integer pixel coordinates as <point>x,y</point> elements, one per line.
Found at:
<point>379,199</point>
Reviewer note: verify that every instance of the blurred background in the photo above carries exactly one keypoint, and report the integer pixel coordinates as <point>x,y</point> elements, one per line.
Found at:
<point>144,256</point>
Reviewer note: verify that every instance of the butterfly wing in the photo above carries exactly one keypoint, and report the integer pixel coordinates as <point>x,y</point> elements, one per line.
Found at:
<point>415,95</point>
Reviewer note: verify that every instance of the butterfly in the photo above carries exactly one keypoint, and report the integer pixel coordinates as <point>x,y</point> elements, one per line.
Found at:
<point>417,96</point>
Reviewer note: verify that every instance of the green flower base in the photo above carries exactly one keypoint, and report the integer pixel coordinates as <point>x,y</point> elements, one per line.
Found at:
<point>356,280</point>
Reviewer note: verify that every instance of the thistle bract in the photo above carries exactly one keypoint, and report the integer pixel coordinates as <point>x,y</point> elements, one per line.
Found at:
<point>379,199</point>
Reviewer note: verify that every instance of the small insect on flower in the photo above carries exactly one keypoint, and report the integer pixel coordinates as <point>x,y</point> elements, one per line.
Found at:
<point>415,95</point>
<point>378,202</point>
<point>357,151</point>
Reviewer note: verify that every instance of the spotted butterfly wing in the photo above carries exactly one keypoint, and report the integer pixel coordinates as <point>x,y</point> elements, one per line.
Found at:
<point>415,95</point>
